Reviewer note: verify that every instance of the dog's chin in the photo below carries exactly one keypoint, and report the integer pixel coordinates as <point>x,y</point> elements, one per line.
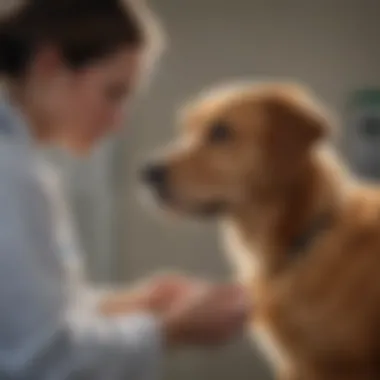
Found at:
<point>211,209</point>
<point>204,210</point>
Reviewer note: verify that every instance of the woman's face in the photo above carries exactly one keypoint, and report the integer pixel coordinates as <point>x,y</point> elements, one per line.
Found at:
<point>86,105</point>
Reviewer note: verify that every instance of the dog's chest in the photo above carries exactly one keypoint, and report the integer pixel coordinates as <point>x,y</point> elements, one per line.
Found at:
<point>243,260</point>
<point>270,347</point>
<point>247,266</point>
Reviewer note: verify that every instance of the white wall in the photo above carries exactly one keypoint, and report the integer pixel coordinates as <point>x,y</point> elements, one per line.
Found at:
<point>330,44</point>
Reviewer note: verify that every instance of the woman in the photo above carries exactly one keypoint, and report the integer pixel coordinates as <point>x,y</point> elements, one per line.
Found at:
<point>68,67</point>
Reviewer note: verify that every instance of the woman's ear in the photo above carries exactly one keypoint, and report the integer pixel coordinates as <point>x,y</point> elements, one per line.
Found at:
<point>48,62</point>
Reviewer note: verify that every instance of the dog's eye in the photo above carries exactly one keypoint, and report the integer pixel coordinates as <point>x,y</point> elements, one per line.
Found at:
<point>220,132</point>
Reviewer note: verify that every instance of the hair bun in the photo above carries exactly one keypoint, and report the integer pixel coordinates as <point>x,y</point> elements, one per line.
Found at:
<point>13,50</point>
<point>13,46</point>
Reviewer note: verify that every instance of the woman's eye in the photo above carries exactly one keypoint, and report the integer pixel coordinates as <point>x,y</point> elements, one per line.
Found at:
<point>116,93</point>
<point>220,132</point>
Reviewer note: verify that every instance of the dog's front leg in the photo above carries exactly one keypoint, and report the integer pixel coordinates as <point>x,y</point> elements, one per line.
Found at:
<point>291,375</point>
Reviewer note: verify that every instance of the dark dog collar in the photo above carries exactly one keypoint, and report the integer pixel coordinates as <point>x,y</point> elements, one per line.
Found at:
<point>319,225</point>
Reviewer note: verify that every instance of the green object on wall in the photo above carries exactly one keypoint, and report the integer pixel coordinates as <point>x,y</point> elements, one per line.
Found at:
<point>367,97</point>
<point>362,132</point>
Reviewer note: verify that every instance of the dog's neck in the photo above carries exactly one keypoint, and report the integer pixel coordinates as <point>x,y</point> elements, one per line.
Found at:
<point>273,223</point>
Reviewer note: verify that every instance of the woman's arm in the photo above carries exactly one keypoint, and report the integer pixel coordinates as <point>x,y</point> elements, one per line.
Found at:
<point>39,338</point>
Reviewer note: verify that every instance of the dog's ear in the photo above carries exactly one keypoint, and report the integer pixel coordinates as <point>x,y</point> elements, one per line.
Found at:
<point>294,125</point>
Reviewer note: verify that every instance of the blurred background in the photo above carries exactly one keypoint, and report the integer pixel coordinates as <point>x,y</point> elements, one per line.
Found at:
<point>331,45</point>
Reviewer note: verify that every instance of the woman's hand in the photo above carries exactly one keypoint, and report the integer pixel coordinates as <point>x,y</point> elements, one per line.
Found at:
<point>212,315</point>
<point>192,312</point>
<point>155,295</point>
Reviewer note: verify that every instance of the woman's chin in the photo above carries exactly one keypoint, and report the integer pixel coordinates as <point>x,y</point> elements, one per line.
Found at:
<point>78,147</point>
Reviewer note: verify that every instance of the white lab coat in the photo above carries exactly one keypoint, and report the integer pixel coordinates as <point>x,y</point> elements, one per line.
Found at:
<point>49,326</point>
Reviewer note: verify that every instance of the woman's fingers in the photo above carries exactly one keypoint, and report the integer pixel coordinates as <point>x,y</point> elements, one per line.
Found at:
<point>210,316</point>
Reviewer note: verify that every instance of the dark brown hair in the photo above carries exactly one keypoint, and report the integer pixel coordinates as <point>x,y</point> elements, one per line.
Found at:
<point>82,30</point>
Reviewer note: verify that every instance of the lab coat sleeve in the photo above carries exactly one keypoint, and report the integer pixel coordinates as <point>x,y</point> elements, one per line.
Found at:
<point>39,338</point>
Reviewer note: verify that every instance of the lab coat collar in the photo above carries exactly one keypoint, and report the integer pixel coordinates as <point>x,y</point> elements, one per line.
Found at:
<point>13,124</point>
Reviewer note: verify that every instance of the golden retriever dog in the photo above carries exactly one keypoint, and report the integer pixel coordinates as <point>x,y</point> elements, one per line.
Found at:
<point>302,234</point>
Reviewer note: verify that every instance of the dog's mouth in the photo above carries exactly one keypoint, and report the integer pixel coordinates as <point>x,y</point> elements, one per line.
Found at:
<point>204,209</point>
<point>210,209</point>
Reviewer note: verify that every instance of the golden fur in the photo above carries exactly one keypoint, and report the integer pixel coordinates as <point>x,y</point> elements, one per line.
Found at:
<point>317,313</point>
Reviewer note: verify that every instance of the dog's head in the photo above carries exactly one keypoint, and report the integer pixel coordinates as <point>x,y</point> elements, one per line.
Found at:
<point>236,144</point>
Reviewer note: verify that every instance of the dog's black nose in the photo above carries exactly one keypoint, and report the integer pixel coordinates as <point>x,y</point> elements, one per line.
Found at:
<point>155,174</point>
